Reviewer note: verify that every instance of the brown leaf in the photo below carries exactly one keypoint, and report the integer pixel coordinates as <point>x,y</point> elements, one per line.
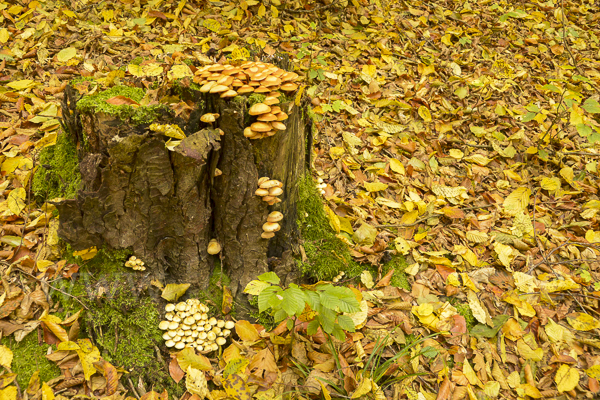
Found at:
<point>7,379</point>
<point>112,378</point>
<point>385,281</point>
<point>121,100</point>
<point>246,331</point>
<point>444,391</point>
<point>263,361</point>
<point>227,300</point>
<point>175,370</point>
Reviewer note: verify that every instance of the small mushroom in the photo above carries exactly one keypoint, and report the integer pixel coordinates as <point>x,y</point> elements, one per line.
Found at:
<point>262,180</point>
<point>261,192</point>
<point>220,323</point>
<point>271,227</point>
<point>180,306</point>
<point>270,184</point>
<point>170,307</point>
<point>226,332</point>
<point>173,325</point>
<point>169,316</point>
<point>268,117</point>
<point>189,321</point>
<point>216,330</point>
<point>169,343</point>
<point>213,247</point>
<point>163,325</point>
<point>212,321</point>
<point>209,118</point>
<point>179,345</point>
<point>229,93</point>
<point>220,341</point>
<point>214,347</point>
<point>277,125</point>
<point>275,191</point>
<point>229,324</point>
<point>211,336</point>
<point>270,100</point>
<point>267,235</point>
<point>288,87</point>
<point>166,336</point>
<point>259,108</point>
<point>275,216</point>
<point>260,127</point>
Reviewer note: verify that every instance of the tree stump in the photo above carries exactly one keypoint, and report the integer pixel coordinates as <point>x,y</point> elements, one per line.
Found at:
<point>166,205</point>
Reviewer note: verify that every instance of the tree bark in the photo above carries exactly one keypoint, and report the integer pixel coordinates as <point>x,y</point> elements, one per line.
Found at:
<point>167,205</point>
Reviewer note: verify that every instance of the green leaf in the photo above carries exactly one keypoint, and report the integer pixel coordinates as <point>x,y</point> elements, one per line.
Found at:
<point>256,287</point>
<point>290,324</point>
<point>346,301</point>
<point>270,277</point>
<point>346,323</point>
<point>338,332</point>
<point>312,298</point>
<point>584,130</point>
<point>312,327</point>
<point>429,352</point>
<point>280,315</point>
<point>264,298</point>
<point>486,331</point>
<point>327,319</point>
<point>293,301</point>
<point>592,106</point>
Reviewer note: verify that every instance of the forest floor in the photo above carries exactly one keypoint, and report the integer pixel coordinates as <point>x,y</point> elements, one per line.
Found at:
<point>461,135</point>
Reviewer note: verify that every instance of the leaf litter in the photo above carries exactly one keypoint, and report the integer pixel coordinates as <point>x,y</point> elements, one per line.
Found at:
<point>461,135</point>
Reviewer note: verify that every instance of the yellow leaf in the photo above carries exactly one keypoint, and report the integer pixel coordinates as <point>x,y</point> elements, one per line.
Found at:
<point>388,203</point>
<point>16,200</point>
<point>237,388</point>
<point>47,393</point>
<point>505,253</point>
<point>409,217</point>
<point>375,186</point>
<point>478,310</point>
<point>584,322</point>
<point>424,113</point>
<point>66,54</point>
<point>262,10</point>
<point>173,291</point>
<point>512,329</point>
<point>4,35</point>
<point>557,333</point>
<point>593,371</point>
<point>179,71</point>
<point>528,353</point>
<point>592,237</point>
<point>52,322</point>
<point>88,355</point>
<point>363,388</point>
<point>136,70</point>
<point>517,201</point>
<point>246,331</point>
<point>530,391</point>
<point>470,374</point>
<point>478,159</point>
<point>8,393</point>
<point>510,174</point>
<point>195,383</point>
<point>86,254</point>
<point>367,279</point>
<point>456,153</point>
<point>566,378</point>
<point>22,84</point>
<point>6,356</point>
<point>397,166</point>
<point>369,70</point>
<point>334,220</point>
<point>152,69</point>
<point>550,184</point>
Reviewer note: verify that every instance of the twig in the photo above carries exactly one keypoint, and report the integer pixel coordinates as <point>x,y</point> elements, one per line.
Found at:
<point>52,287</point>
<point>133,388</point>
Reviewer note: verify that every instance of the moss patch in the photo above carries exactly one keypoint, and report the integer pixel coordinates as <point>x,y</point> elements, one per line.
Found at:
<point>464,310</point>
<point>123,323</point>
<point>213,295</point>
<point>137,116</point>
<point>30,356</point>
<point>327,255</point>
<point>58,172</point>
<point>398,264</point>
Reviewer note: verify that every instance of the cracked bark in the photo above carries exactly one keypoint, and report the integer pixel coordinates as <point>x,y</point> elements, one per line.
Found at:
<point>166,205</point>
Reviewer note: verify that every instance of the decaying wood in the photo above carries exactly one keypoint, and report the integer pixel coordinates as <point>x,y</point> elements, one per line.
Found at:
<point>166,205</point>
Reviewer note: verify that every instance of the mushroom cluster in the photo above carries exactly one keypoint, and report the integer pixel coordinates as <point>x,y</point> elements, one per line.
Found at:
<point>272,225</point>
<point>269,118</point>
<point>187,324</point>
<point>135,263</point>
<point>321,185</point>
<point>269,190</point>
<point>249,77</point>
<point>339,277</point>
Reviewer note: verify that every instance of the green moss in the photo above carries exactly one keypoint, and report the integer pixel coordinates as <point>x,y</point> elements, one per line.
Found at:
<point>58,172</point>
<point>137,61</point>
<point>124,325</point>
<point>398,264</point>
<point>464,310</point>
<point>255,98</point>
<point>30,356</point>
<point>138,115</point>
<point>263,318</point>
<point>327,255</point>
<point>213,296</point>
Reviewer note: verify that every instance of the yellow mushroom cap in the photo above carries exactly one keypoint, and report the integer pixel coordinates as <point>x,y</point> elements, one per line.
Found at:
<point>270,183</point>
<point>164,325</point>
<point>267,235</point>
<point>275,216</point>
<point>275,191</point>
<point>278,125</point>
<point>289,87</point>
<point>207,86</point>
<point>213,247</point>
<point>259,108</point>
<point>209,118</point>
<point>261,192</point>
<point>271,227</point>
<point>220,89</point>
<point>229,93</point>
<point>245,89</point>
<point>249,133</point>
<point>263,179</point>
<point>270,100</point>
<point>260,127</point>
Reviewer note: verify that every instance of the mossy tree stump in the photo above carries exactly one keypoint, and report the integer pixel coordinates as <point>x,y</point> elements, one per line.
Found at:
<point>166,205</point>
